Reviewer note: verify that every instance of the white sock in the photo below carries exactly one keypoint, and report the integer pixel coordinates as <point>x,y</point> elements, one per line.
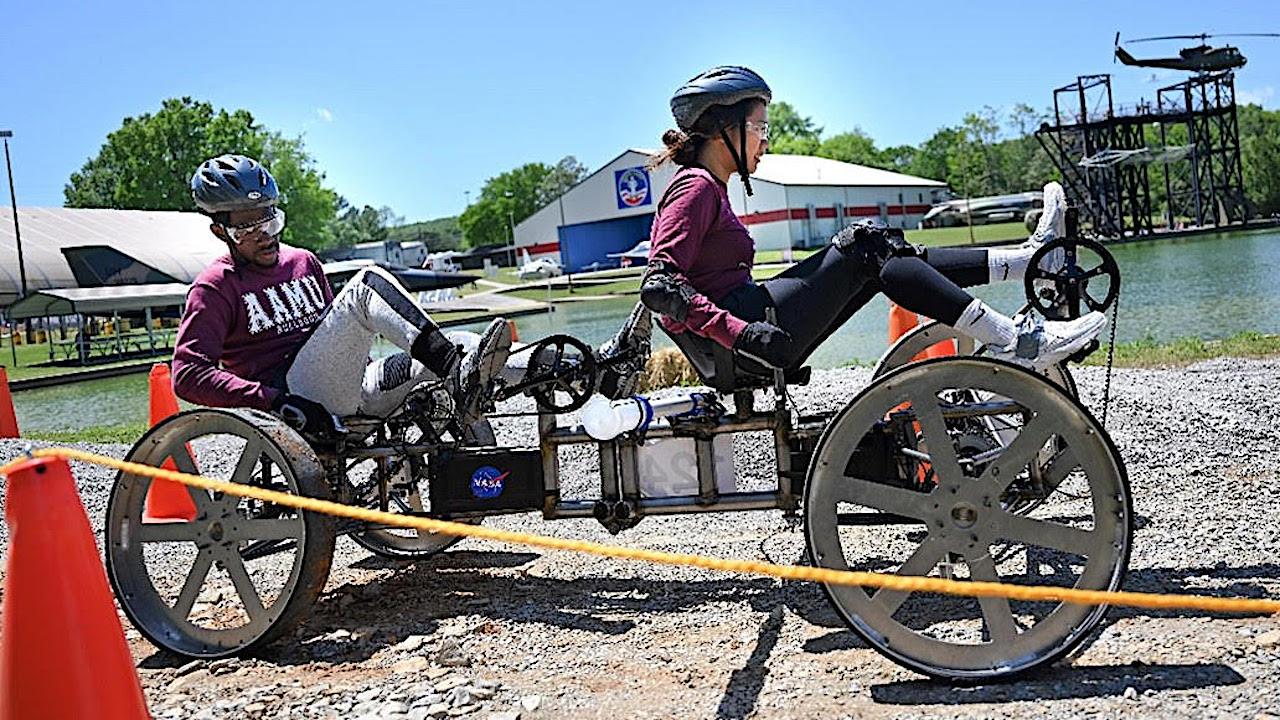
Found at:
<point>1010,263</point>
<point>987,326</point>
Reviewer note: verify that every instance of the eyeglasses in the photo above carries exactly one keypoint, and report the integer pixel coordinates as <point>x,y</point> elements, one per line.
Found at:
<point>760,128</point>
<point>266,227</point>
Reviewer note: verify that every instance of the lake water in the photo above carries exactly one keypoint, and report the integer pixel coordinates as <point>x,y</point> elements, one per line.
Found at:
<point>1210,287</point>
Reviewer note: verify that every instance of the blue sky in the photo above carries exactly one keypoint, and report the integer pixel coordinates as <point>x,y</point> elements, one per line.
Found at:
<point>412,104</point>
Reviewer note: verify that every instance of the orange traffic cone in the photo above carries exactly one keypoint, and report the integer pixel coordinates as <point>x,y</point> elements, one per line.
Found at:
<point>64,654</point>
<point>167,501</point>
<point>8,420</point>
<point>902,320</point>
<point>946,348</point>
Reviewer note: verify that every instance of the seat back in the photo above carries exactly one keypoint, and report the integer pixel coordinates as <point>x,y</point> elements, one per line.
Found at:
<point>721,369</point>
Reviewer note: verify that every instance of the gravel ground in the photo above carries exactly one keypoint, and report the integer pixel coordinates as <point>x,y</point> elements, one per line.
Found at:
<point>494,631</point>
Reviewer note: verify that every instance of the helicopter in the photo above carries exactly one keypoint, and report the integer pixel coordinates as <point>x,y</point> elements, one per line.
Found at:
<point>1201,58</point>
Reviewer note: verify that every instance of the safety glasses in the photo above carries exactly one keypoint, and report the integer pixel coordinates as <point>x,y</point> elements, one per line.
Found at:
<point>759,128</point>
<point>267,227</point>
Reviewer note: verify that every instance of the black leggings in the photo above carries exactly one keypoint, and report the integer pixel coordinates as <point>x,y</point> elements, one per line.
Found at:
<point>815,297</point>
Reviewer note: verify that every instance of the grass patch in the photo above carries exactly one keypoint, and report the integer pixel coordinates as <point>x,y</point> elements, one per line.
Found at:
<point>937,237</point>
<point>1147,352</point>
<point>127,434</point>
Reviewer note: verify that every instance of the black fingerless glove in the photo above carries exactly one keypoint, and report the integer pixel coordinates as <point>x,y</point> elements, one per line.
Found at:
<point>765,343</point>
<point>303,415</point>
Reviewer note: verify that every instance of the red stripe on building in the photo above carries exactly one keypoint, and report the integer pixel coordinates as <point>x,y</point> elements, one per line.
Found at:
<point>541,248</point>
<point>763,217</point>
<point>769,216</point>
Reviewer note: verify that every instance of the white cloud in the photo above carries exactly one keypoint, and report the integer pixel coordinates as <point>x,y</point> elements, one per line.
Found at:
<point>324,114</point>
<point>1255,97</point>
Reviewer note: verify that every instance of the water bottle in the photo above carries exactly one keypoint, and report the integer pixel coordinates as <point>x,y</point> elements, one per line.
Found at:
<point>605,420</point>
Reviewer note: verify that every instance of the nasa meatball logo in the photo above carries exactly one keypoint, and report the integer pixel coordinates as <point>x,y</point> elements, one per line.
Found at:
<point>633,187</point>
<point>487,482</point>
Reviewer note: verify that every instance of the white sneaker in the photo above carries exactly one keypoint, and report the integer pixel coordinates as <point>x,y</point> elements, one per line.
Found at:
<point>1053,220</point>
<point>478,369</point>
<point>1043,343</point>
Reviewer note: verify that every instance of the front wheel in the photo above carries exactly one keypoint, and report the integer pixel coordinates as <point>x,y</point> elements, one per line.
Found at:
<point>901,455</point>
<point>242,572</point>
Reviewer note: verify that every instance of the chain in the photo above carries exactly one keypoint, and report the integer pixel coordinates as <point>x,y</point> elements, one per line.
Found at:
<point>1111,357</point>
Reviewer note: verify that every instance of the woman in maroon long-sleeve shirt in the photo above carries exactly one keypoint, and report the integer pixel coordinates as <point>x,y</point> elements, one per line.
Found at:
<point>699,273</point>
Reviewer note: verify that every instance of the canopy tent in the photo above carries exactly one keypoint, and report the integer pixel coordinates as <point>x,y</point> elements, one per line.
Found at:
<point>98,300</point>
<point>71,247</point>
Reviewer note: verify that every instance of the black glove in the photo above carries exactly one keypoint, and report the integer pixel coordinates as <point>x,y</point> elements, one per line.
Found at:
<point>875,242</point>
<point>304,415</point>
<point>767,343</point>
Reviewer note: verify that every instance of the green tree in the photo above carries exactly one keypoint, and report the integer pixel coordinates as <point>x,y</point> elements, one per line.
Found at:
<point>147,164</point>
<point>853,146</point>
<point>1260,157</point>
<point>791,133</point>
<point>439,234</point>
<point>504,200</point>
<point>310,207</point>
<point>353,225</point>
<point>930,159</point>
<point>564,175</point>
<point>899,158</point>
<point>974,164</point>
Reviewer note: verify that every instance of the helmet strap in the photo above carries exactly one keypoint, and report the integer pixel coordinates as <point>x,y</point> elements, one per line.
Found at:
<point>739,157</point>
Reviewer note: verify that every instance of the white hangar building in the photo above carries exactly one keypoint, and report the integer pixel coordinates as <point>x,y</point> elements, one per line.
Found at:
<point>799,201</point>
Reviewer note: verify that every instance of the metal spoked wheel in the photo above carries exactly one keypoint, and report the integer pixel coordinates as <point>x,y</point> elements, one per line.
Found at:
<point>408,493</point>
<point>242,572</point>
<point>926,335</point>
<point>896,457</point>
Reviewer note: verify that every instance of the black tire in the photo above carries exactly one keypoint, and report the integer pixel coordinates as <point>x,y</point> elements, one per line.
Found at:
<point>402,544</point>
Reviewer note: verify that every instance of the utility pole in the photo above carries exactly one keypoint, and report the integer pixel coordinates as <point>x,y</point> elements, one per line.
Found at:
<point>13,199</point>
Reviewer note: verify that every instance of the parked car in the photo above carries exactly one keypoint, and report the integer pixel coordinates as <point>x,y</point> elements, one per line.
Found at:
<point>984,210</point>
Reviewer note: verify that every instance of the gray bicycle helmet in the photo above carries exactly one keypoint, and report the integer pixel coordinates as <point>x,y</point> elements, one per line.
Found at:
<point>232,182</point>
<point>723,85</point>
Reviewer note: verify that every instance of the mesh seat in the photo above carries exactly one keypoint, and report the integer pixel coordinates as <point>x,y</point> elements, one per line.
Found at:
<point>724,370</point>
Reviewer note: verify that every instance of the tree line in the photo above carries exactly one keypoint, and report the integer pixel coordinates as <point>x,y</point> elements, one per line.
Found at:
<point>147,163</point>
<point>993,153</point>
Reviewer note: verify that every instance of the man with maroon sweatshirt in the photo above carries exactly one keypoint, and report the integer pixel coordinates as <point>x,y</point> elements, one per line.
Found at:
<point>263,329</point>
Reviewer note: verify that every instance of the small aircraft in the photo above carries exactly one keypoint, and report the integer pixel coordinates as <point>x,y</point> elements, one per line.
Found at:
<point>413,279</point>
<point>1201,58</point>
<point>539,269</point>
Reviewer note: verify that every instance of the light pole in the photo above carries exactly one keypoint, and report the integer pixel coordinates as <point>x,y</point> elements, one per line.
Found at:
<point>13,199</point>
<point>511,219</point>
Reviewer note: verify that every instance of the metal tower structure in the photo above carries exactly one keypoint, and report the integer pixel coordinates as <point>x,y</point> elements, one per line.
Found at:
<point>1104,156</point>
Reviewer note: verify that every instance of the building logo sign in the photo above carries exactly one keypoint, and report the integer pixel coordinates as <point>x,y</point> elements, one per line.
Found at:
<point>633,187</point>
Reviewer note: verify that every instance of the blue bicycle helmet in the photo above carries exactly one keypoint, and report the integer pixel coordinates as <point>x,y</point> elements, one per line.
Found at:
<point>723,85</point>
<point>232,182</point>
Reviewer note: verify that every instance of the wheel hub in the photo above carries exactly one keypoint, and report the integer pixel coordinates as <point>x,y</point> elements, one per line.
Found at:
<point>964,515</point>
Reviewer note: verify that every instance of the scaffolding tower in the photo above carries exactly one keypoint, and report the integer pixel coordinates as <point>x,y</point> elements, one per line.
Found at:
<point>1104,156</point>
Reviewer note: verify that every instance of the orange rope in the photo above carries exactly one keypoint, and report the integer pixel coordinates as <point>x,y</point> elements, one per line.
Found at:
<point>909,583</point>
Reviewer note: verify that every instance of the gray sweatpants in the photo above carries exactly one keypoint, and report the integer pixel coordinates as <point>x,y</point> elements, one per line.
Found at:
<point>332,367</point>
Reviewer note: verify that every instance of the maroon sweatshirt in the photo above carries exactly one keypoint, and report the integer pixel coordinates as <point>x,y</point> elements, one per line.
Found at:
<point>242,324</point>
<point>696,231</point>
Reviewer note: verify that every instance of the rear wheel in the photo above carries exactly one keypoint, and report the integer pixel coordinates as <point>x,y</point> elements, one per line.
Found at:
<point>408,492</point>
<point>901,455</point>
